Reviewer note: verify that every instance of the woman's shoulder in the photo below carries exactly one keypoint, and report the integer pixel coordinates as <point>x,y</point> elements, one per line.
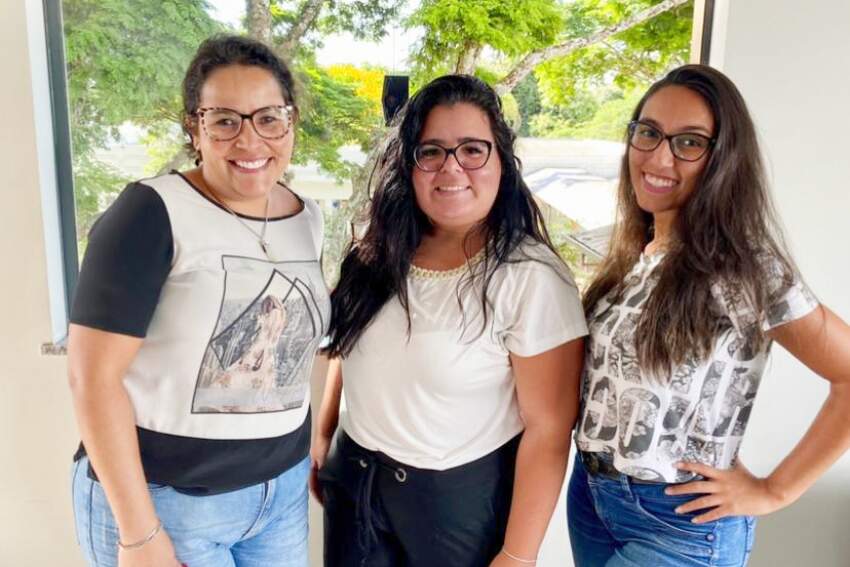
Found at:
<point>533,255</point>
<point>533,264</point>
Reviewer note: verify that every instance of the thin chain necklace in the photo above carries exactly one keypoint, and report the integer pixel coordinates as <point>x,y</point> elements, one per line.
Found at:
<point>261,236</point>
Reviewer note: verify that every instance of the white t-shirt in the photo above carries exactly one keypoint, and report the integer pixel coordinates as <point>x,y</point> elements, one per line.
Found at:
<point>445,395</point>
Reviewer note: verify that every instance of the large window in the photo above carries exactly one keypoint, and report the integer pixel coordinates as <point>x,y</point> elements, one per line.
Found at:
<point>117,65</point>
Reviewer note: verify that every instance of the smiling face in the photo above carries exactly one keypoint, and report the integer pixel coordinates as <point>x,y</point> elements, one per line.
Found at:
<point>453,198</point>
<point>662,183</point>
<point>247,167</point>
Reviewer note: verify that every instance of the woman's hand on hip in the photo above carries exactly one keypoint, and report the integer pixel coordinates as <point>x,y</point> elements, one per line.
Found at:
<point>158,552</point>
<point>732,492</point>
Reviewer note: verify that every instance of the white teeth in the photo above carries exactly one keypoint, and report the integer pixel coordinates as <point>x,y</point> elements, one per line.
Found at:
<point>451,188</point>
<point>257,164</point>
<point>659,181</point>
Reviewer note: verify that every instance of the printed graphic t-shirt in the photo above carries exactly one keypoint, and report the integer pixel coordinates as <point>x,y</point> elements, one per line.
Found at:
<point>701,415</point>
<point>220,385</point>
<point>446,394</point>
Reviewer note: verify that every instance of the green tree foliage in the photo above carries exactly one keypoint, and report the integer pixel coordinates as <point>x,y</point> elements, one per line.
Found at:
<point>528,102</point>
<point>633,58</point>
<point>332,115</point>
<point>125,61</point>
<point>454,27</point>
<point>606,122</point>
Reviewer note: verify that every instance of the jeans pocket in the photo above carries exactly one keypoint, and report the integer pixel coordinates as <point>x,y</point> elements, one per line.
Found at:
<point>155,487</point>
<point>676,531</point>
<point>75,470</point>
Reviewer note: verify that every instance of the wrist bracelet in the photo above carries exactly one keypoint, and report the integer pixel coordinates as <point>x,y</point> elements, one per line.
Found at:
<point>518,559</point>
<point>143,541</point>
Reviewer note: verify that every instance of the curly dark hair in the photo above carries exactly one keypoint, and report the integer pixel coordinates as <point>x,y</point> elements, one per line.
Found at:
<point>375,267</point>
<point>221,51</point>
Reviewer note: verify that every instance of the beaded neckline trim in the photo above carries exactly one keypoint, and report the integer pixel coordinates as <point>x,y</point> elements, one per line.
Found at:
<point>417,272</point>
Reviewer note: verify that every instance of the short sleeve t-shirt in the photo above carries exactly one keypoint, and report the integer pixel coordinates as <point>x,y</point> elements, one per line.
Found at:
<point>445,395</point>
<point>220,385</point>
<point>702,413</point>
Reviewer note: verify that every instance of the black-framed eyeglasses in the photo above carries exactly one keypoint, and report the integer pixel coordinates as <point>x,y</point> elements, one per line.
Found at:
<point>470,154</point>
<point>223,124</point>
<point>686,146</point>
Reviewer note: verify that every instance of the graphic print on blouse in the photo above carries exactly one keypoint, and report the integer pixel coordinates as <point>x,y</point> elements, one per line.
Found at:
<point>268,328</point>
<point>700,412</point>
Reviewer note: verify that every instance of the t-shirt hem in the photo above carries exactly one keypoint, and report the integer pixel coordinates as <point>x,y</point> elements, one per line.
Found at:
<point>431,463</point>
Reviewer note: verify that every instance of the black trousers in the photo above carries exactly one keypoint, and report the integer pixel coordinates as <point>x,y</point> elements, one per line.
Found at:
<point>382,513</point>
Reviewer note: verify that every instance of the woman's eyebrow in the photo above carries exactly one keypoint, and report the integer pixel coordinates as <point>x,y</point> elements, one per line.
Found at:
<point>441,141</point>
<point>684,129</point>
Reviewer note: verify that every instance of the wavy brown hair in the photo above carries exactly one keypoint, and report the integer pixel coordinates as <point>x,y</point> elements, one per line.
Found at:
<point>725,233</point>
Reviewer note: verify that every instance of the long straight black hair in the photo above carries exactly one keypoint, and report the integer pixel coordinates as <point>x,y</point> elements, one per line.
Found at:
<point>375,267</point>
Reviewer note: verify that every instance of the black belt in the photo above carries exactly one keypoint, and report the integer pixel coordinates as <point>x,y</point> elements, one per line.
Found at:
<point>602,465</point>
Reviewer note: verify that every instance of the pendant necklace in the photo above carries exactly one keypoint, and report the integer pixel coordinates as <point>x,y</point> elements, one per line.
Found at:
<point>261,236</point>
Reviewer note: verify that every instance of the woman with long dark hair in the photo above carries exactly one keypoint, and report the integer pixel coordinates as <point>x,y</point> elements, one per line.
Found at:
<point>456,330</point>
<point>696,286</point>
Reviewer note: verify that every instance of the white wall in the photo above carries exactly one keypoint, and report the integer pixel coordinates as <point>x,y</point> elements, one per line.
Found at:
<point>37,430</point>
<point>789,59</point>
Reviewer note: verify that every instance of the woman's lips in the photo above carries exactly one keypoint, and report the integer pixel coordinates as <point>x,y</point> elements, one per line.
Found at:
<point>658,185</point>
<point>250,166</point>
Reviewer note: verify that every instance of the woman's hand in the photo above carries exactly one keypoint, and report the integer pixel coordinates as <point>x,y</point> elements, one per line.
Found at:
<point>158,552</point>
<point>318,453</point>
<point>732,492</point>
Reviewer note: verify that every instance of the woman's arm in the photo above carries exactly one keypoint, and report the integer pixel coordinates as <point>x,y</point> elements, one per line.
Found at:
<point>821,341</point>
<point>326,423</point>
<point>548,393</point>
<point>97,363</point>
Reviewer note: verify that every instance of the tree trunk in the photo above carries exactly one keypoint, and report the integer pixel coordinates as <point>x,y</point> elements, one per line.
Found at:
<point>535,58</point>
<point>309,12</point>
<point>259,19</point>
<point>468,59</point>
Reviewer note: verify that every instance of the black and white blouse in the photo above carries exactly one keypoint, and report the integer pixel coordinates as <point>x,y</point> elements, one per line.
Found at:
<point>700,411</point>
<point>220,385</point>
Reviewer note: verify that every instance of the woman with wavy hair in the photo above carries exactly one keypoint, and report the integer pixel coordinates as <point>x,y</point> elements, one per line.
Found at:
<point>456,330</point>
<point>696,286</point>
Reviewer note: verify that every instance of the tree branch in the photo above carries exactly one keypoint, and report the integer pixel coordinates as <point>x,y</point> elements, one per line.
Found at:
<point>535,58</point>
<point>309,14</point>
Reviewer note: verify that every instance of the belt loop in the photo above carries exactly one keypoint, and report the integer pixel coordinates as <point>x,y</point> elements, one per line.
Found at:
<point>626,485</point>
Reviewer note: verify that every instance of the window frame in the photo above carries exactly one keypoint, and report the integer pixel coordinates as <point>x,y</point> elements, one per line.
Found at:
<point>60,112</point>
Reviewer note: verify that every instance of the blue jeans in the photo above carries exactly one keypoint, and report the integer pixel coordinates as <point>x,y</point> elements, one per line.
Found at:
<point>621,523</point>
<point>264,525</point>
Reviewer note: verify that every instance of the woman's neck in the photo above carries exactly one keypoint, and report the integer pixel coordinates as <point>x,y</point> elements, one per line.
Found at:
<point>446,249</point>
<point>663,232</point>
